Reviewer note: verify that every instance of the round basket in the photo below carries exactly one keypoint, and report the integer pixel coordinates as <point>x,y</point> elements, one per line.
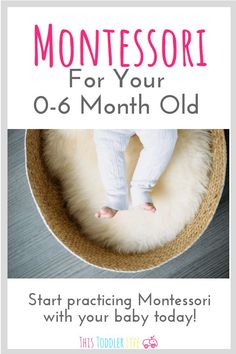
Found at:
<point>48,197</point>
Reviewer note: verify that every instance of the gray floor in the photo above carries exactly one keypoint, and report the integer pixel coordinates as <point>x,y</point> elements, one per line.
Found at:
<point>34,253</point>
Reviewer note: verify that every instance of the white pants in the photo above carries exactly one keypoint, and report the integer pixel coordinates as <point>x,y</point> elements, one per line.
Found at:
<point>158,147</point>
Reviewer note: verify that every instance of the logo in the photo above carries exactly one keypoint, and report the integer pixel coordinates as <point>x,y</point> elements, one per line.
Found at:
<point>117,342</point>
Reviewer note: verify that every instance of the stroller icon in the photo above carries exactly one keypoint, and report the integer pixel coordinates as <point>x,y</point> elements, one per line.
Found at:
<point>150,342</point>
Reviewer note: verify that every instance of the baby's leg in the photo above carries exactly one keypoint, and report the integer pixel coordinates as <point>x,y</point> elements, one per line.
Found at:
<point>110,146</point>
<point>158,147</point>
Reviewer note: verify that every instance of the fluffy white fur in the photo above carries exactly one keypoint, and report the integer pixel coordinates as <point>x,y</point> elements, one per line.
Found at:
<point>71,157</point>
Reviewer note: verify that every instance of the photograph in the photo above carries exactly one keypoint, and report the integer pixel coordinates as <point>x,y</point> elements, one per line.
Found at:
<point>118,203</point>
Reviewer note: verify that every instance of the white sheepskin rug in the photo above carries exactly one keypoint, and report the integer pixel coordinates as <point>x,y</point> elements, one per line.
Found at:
<point>71,157</point>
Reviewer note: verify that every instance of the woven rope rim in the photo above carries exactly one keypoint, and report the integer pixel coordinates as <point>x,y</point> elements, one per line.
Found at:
<point>52,207</point>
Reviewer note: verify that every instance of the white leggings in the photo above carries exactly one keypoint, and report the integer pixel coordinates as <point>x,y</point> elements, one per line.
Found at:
<point>158,147</point>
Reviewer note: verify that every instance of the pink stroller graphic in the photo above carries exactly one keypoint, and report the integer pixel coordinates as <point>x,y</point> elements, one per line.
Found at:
<point>150,342</point>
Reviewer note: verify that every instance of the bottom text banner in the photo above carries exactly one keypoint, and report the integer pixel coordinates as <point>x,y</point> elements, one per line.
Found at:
<point>118,313</point>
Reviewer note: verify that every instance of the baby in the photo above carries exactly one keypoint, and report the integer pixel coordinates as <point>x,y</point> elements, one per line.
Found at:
<point>158,147</point>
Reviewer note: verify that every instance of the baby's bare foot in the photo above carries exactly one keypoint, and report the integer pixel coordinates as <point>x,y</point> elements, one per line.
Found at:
<point>105,212</point>
<point>149,207</point>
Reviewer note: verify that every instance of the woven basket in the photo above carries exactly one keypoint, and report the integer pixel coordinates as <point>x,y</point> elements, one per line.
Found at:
<point>52,207</point>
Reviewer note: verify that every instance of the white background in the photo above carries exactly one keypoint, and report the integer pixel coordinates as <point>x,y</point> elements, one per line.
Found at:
<point>27,329</point>
<point>25,326</point>
<point>26,82</point>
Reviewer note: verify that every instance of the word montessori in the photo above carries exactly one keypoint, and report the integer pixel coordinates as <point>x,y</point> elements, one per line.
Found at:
<point>136,48</point>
